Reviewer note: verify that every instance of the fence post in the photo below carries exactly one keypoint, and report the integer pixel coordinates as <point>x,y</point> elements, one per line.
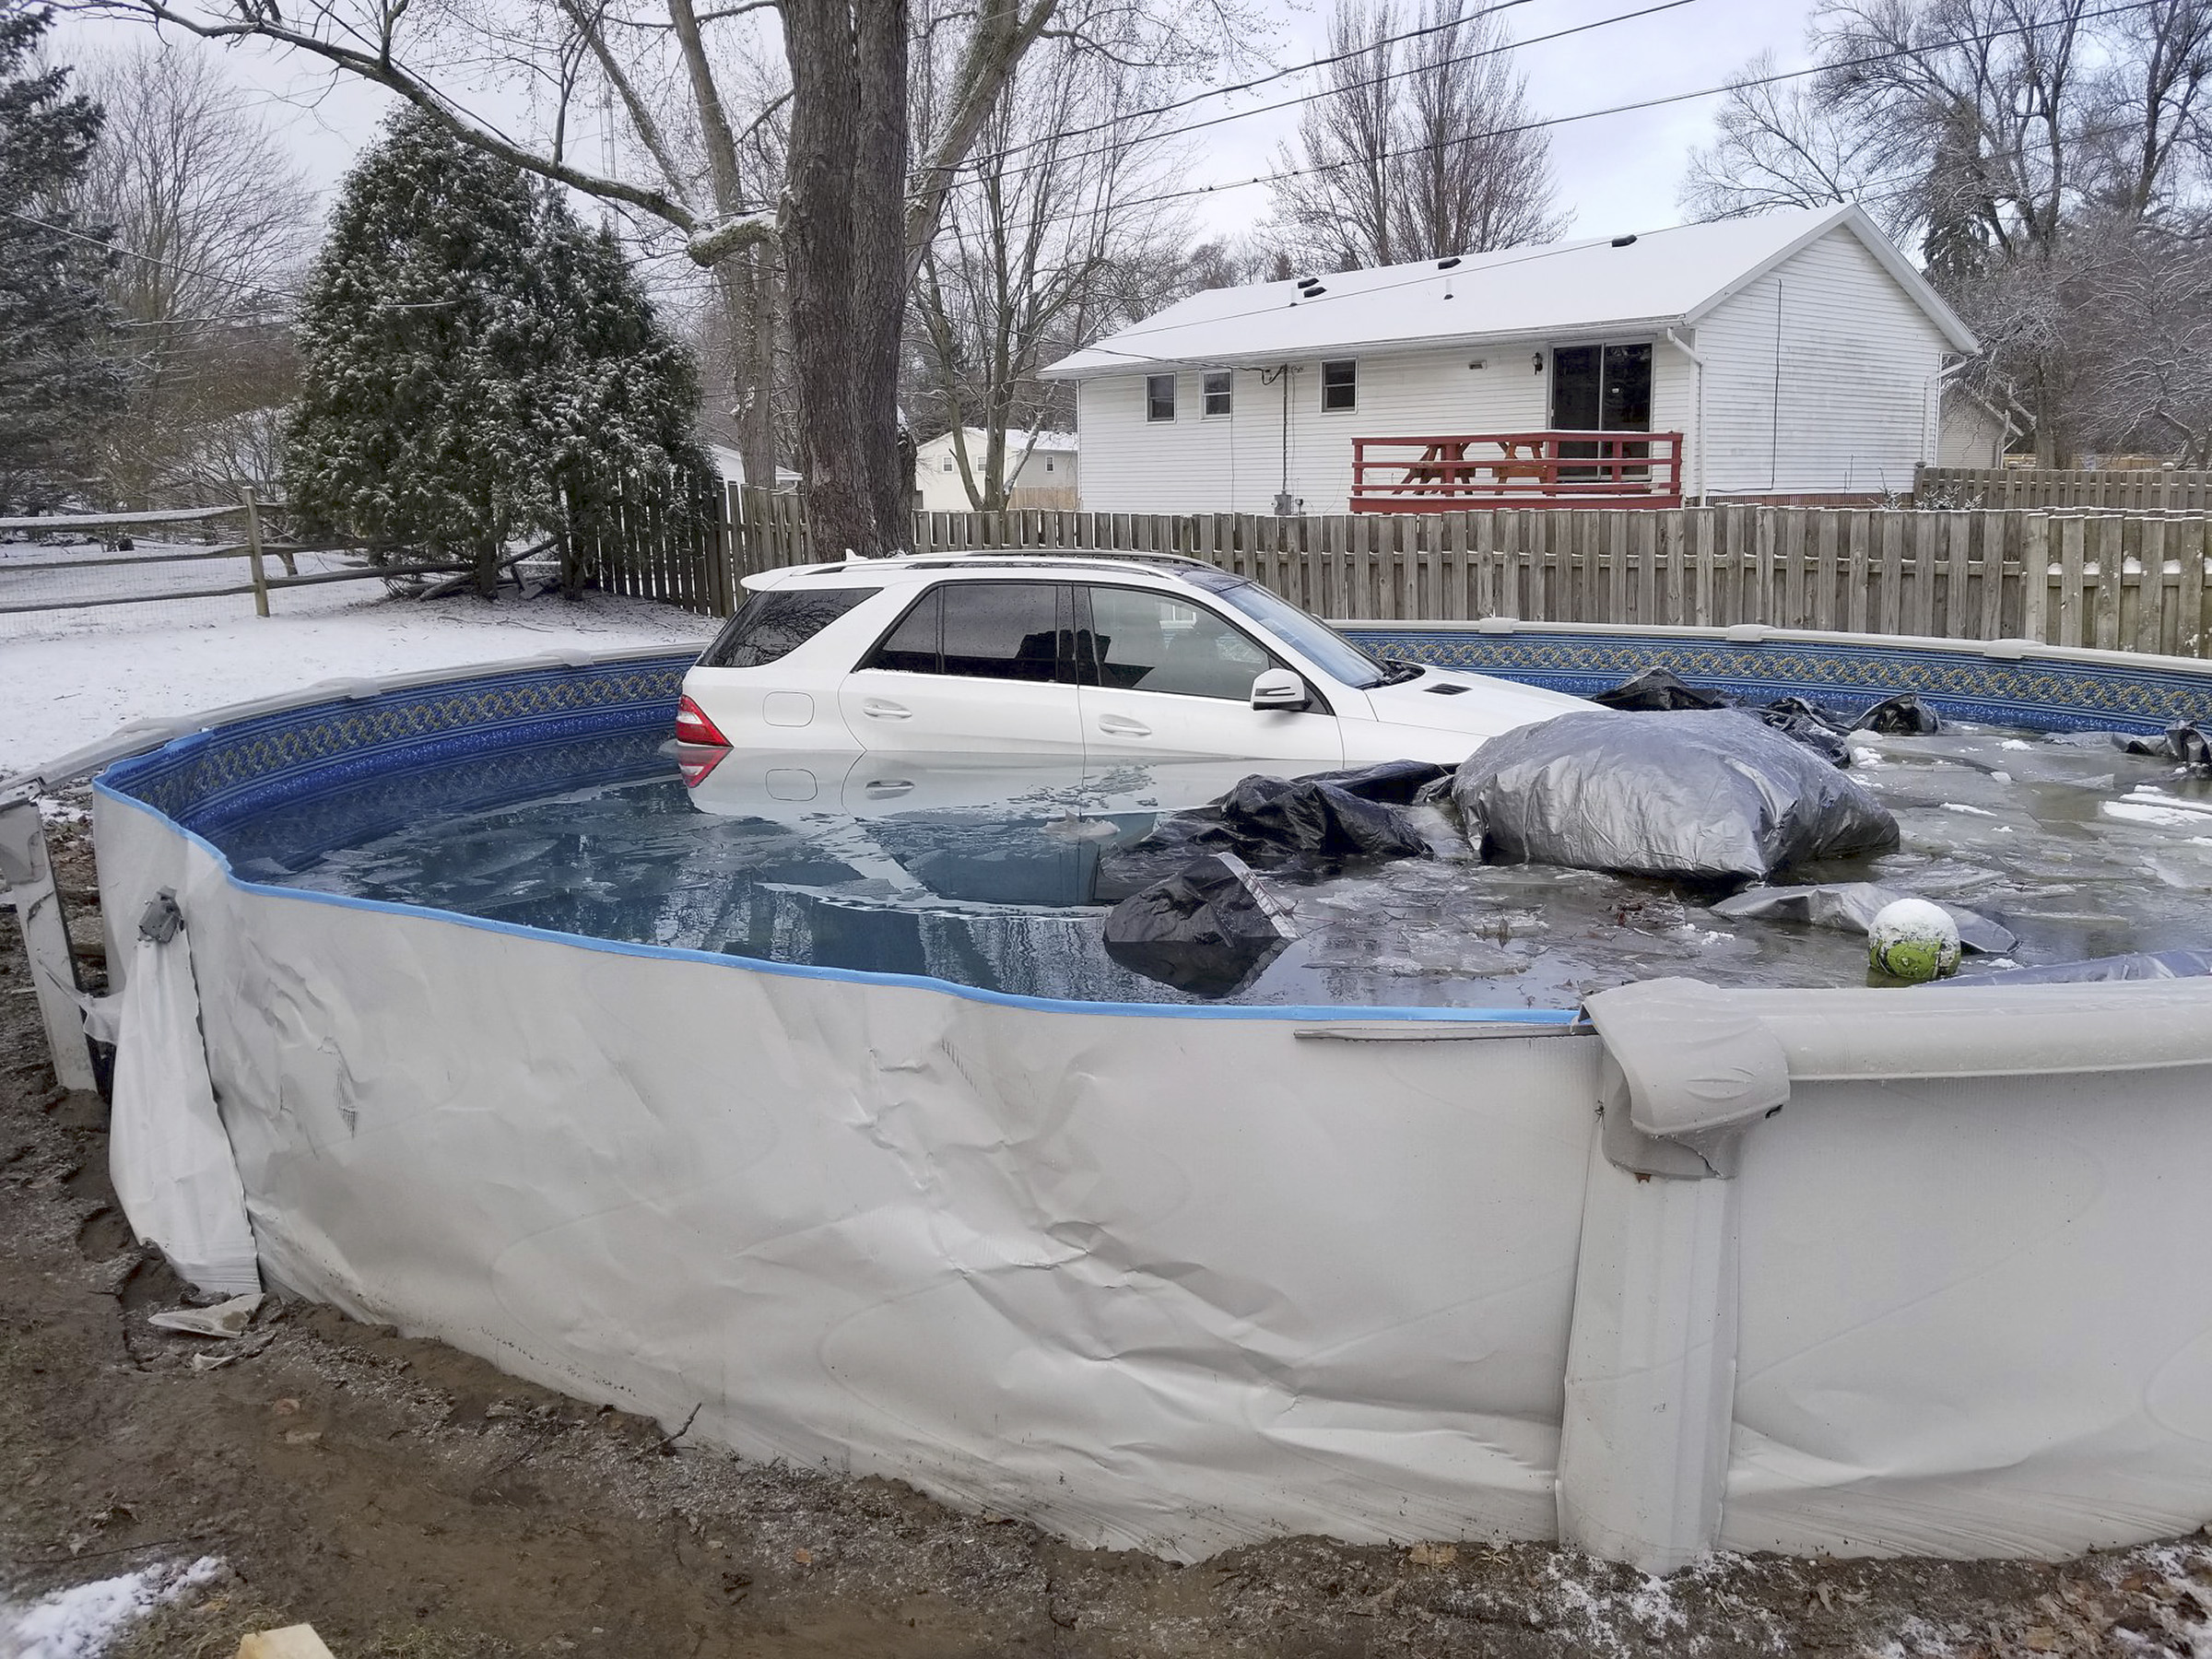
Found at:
<point>260,578</point>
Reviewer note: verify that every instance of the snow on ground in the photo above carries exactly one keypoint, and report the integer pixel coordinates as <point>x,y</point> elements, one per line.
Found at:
<point>69,678</point>
<point>81,1622</point>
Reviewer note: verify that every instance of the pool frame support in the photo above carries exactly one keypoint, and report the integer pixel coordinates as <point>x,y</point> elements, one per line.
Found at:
<point>27,885</point>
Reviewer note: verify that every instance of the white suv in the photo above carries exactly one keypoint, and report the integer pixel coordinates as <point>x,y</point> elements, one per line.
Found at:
<point>1072,655</point>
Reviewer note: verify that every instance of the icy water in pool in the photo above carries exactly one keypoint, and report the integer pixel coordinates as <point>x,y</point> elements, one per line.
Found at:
<point>984,874</point>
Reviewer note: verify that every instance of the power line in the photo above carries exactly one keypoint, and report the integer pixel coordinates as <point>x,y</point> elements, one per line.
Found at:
<point>171,264</point>
<point>1291,103</point>
<point>1622,108</point>
<point>1246,85</point>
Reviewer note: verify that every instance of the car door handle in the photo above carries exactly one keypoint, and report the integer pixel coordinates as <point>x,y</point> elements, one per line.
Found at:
<point>876,708</point>
<point>1121,725</point>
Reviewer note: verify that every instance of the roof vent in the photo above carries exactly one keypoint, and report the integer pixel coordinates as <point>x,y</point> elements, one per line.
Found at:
<point>1315,289</point>
<point>1445,264</point>
<point>1622,241</point>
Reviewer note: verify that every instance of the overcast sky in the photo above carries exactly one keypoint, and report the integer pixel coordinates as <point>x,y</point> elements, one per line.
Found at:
<point>1616,173</point>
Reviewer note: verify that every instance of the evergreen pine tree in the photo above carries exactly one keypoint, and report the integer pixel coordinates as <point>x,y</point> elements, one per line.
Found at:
<point>56,383</point>
<point>475,366</point>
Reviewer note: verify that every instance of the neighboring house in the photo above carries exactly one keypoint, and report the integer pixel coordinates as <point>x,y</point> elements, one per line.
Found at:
<point>731,466</point>
<point>1975,433</point>
<point>1798,355</point>
<point>1047,478</point>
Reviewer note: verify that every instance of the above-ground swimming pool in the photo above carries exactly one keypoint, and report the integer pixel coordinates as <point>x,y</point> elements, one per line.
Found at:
<point>805,1109</point>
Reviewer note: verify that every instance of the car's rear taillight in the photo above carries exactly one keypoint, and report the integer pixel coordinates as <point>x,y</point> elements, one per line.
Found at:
<point>693,726</point>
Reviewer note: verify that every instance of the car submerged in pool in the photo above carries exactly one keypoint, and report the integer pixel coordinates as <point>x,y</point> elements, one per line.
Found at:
<point>1090,657</point>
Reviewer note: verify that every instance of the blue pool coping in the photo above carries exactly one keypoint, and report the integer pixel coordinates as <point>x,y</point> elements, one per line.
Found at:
<point>210,778</point>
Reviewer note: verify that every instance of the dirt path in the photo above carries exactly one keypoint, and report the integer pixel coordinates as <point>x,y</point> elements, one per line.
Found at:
<point>414,1503</point>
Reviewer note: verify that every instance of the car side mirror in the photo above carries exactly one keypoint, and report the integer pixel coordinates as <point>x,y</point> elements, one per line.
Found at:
<point>1280,689</point>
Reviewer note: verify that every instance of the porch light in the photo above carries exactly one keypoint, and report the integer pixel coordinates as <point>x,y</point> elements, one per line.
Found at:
<point>1539,362</point>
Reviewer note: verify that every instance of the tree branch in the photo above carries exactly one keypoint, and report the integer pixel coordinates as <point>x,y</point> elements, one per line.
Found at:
<point>378,67</point>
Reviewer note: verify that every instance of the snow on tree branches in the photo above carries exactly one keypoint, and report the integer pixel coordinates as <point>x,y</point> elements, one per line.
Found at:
<point>56,383</point>
<point>476,365</point>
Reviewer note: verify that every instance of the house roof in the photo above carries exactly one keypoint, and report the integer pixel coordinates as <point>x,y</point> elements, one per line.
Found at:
<point>977,438</point>
<point>1654,280</point>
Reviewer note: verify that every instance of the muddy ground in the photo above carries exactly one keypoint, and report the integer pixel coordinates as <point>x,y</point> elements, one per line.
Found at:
<point>414,1503</point>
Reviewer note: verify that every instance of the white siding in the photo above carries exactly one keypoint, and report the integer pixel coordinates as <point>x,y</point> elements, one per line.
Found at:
<point>1971,435</point>
<point>1235,463</point>
<point>943,491</point>
<point>1819,378</point>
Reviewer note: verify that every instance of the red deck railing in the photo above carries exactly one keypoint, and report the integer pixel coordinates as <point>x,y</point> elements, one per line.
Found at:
<point>1516,469</point>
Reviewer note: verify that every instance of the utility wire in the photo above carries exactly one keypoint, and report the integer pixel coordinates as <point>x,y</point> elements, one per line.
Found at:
<point>170,264</point>
<point>1622,108</point>
<point>1245,86</point>
<point>1290,103</point>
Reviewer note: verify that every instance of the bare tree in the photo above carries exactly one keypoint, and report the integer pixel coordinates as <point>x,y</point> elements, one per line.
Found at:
<point>849,224</point>
<point>1418,149</point>
<point>1779,145</point>
<point>218,223</point>
<point>1024,265</point>
<point>2037,150</point>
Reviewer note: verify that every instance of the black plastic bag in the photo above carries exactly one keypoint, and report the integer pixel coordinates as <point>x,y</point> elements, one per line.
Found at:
<point>1657,690</point>
<point>1275,822</point>
<point>1716,796</point>
<point>2183,741</point>
<point>1801,723</point>
<point>1206,930</point>
<point>1303,825</point>
<point>1395,782</point>
<point>1902,717</point>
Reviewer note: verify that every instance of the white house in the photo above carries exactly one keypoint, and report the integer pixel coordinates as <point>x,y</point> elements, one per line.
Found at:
<point>731,466</point>
<point>1797,355</point>
<point>1050,466</point>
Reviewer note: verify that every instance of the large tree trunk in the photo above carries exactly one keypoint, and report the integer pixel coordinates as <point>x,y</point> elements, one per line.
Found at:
<point>845,235</point>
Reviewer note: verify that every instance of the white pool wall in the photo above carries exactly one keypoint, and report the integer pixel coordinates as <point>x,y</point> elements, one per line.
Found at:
<point>1182,1283</point>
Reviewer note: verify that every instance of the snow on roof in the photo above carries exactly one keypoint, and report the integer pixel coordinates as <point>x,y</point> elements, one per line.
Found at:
<point>1657,279</point>
<point>1016,438</point>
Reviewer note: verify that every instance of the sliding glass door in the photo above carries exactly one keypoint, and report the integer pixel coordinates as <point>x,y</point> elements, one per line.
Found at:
<point>1601,389</point>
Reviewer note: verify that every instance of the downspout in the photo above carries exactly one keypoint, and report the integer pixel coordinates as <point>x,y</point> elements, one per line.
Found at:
<point>1932,422</point>
<point>1698,414</point>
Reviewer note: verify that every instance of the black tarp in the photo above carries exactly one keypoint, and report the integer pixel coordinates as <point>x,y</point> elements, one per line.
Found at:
<point>1206,930</point>
<point>1298,826</point>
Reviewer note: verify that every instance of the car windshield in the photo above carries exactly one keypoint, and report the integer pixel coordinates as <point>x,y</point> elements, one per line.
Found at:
<point>1315,640</point>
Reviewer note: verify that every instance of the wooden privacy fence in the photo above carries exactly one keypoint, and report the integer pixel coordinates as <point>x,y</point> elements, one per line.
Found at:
<point>2128,489</point>
<point>2109,581</point>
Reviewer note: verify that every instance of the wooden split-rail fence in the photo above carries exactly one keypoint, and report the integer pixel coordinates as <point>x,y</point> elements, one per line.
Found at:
<point>2113,581</point>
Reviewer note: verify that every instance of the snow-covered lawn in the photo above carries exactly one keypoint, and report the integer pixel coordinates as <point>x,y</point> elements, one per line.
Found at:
<point>68,678</point>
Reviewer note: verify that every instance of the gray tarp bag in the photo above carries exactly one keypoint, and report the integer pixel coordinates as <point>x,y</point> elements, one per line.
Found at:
<point>1696,795</point>
<point>2139,965</point>
<point>1851,907</point>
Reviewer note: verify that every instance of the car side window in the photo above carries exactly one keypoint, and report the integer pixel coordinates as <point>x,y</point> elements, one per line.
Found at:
<point>1010,630</point>
<point>772,626</point>
<point>1151,642</point>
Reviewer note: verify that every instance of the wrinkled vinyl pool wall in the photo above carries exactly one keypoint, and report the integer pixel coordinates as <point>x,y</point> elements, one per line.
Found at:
<point>1182,1278</point>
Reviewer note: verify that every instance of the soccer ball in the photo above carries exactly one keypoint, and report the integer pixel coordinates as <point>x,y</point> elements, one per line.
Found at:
<point>1912,940</point>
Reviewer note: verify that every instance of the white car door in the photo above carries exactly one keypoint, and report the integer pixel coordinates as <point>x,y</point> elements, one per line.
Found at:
<point>1167,677</point>
<point>974,667</point>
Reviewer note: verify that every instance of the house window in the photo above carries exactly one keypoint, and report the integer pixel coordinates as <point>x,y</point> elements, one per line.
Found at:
<point>945,466</point>
<point>1160,397</point>
<point>1048,464</point>
<point>1339,386</point>
<point>1220,392</point>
